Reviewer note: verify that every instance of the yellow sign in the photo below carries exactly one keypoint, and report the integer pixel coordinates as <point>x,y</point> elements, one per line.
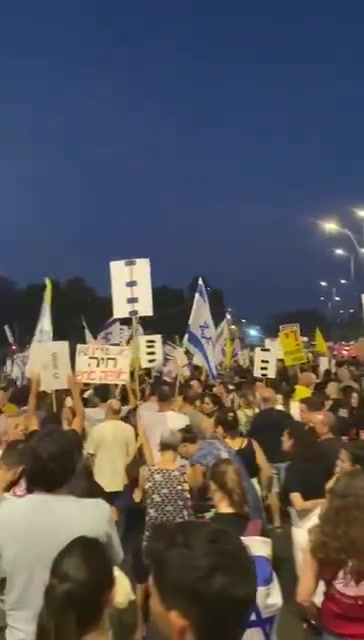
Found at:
<point>293,351</point>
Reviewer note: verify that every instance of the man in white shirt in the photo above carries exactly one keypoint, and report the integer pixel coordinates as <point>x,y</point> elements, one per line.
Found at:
<point>33,529</point>
<point>112,445</point>
<point>166,419</point>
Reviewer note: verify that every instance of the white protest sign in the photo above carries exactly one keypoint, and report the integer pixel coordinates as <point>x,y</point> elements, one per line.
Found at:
<point>275,344</point>
<point>324,363</point>
<point>131,288</point>
<point>51,361</point>
<point>102,364</point>
<point>265,363</point>
<point>150,351</point>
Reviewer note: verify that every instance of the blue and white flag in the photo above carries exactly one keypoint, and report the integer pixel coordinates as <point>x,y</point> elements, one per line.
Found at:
<point>114,333</point>
<point>222,337</point>
<point>201,335</point>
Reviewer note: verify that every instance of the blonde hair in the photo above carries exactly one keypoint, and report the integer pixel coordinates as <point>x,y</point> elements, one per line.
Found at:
<point>227,478</point>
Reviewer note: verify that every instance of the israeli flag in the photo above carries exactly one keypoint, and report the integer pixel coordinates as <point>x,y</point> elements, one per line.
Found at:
<point>88,335</point>
<point>269,601</point>
<point>222,336</point>
<point>200,337</point>
<point>116,333</point>
<point>44,328</point>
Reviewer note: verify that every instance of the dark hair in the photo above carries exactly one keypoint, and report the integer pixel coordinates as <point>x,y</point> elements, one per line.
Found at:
<point>228,479</point>
<point>83,483</point>
<point>315,403</point>
<point>52,460</point>
<point>228,420</point>
<point>205,572</point>
<point>165,393</point>
<point>356,452</point>
<point>50,420</point>
<point>80,581</point>
<point>305,444</point>
<point>102,392</point>
<point>14,454</point>
<point>214,399</point>
<point>188,435</point>
<point>191,397</point>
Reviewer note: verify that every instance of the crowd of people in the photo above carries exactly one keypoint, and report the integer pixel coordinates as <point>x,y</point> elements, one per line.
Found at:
<point>122,516</point>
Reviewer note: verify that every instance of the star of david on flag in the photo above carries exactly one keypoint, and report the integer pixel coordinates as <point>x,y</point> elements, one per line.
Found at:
<point>201,333</point>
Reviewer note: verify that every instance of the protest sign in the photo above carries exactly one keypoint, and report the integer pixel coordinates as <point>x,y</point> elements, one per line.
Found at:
<point>51,361</point>
<point>265,363</point>
<point>131,288</point>
<point>293,351</point>
<point>150,351</point>
<point>102,364</point>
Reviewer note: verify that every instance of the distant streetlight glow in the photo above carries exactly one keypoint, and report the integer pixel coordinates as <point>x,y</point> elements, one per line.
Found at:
<point>351,310</point>
<point>322,298</point>
<point>337,299</point>
<point>359,213</point>
<point>340,252</point>
<point>343,281</point>
<point>322,283</point>
<point>330,226</point>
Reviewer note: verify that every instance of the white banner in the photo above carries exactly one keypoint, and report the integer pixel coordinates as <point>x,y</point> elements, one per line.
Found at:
<point>50,360</point>
<point>102,364</point>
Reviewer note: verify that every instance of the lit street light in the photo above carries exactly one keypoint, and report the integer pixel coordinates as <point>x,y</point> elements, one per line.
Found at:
<point>342,252</point>
<point>360,214</point>
<point>330,226</point>
<point>343,281</point>
<point>323,284</point>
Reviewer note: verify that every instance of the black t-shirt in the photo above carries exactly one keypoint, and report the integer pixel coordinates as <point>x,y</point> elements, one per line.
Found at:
<point>330,448</point>
<point>267,428</point>
<point>306,478</point>
<point>233,521</point>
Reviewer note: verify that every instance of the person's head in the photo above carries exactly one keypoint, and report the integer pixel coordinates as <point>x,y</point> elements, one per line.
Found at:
<point>79,591</point>
<point>324,424</point>
<point>338,540</point>
<point>165,397</point>
<point>227,424</point>
<point>51,461</point>
<point>300,443</point>
<point>188,443</point>
<point>307,379</point>
<point>226,486</point>
<point>191,399</point>
<point>222,390</point>
<point>113,409</point>
<point>310,406</point>
<point>51,419</point>
<point>12,464</point>
<point>332,390</point>
<point>211,403</point>
<point>326,376</point>
<point>170,442</point>
<point>14,427</point>
<point>102,393</point>
<point>344,374</point>
<point>351,457</point>
<point>267,398</point>
<point>203,582</point>
<point>196,385</point>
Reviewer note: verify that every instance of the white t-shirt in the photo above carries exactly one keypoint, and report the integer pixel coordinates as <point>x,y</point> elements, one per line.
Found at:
<point>93,416</point>
<point>112,444</point>
<point>33,530</point>
<point>158,423</point>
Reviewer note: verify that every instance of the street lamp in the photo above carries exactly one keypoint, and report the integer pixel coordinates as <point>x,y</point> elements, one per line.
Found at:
<point>331,226</point>
<point>342,252</point>
<point>360,214</point>
<point>323,284</point>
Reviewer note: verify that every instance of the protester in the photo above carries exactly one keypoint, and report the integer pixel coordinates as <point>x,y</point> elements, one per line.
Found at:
<point>34,529</point>
<point>228,495</point>
<point>203,582</point>
<point>303,490</point>
<point>345,378</point>
<point>190,400</point>
<point>267,429</point>
<point>336,556</point>
<point>247,450</point>
<point>82,593</point>
<point>305,386</point>
<point>351,457</point>
<point>309,407</point>
<point>330,444</point>
<point>112,445</point>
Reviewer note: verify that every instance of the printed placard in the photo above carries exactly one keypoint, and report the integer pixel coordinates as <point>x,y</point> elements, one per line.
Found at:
<point>102,364</point>
<point>292,348</point>
<point>51,361</point>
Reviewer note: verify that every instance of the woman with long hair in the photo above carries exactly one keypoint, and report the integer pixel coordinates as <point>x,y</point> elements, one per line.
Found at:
<point>228,495</point>
<point>246,449</point>
<point>303,490</point>
<point>78,594</point>
<point>211,403</point>
<point>336,556</point>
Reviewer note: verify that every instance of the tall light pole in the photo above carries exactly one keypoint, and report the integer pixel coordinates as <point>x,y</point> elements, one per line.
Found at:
<point>333,227</point>
<point>342,252</point>
<point>360,214</point>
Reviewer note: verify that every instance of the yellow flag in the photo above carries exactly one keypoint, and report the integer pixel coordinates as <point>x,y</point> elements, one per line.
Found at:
<point>320,346</point>
<point>48,291</point>
<point>228,352</point>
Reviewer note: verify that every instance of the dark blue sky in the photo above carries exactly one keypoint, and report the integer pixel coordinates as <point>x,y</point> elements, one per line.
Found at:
<point>206,135</point>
